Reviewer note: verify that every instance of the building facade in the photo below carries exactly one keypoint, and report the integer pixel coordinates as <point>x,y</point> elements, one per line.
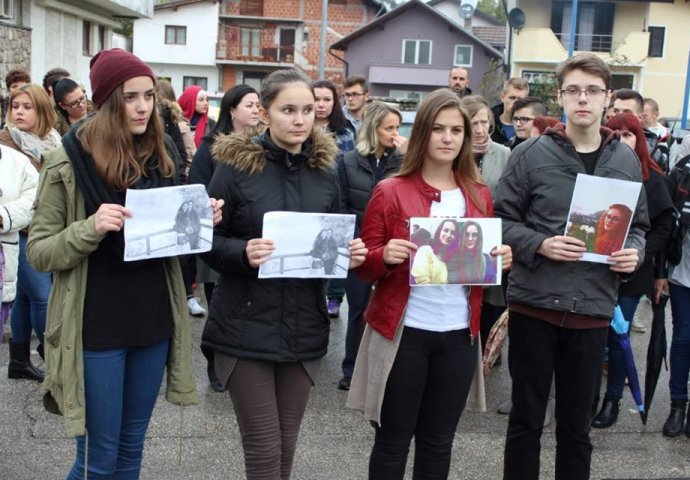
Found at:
<point>179,43</point>
<point>646,43</point>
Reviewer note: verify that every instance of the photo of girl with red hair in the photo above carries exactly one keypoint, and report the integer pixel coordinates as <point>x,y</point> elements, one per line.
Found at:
<point>611,229</point>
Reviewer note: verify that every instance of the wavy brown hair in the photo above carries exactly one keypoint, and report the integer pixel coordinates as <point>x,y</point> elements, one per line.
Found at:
<point>464,168</point>
<point>121,158</point>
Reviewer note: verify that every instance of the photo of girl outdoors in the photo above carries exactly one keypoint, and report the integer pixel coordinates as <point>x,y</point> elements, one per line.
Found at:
<point>458,252</point>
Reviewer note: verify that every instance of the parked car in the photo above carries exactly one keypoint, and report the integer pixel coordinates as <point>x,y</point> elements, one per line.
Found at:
<point>407,107</point>
<point>214,105</point>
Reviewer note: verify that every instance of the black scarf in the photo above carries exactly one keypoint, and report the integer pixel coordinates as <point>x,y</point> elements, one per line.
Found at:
<point>96,191</point>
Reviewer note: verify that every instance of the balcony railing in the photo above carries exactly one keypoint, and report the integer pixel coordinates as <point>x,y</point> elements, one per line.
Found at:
<point>275,54</point>
<point>587,42</point>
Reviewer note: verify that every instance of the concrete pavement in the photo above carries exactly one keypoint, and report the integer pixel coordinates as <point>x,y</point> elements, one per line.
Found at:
<point>202,442</point>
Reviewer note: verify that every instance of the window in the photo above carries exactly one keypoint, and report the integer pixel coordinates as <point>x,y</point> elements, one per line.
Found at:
<point>101,38</point>
<point>6,9</point>
<point>594,26</point>
<point>200,81</point>
<point>656,41</point>
<point>250,42</point>
<point>86,38</point>
<point>252,8</point>
<point>417,52</point>
<point>463,56</point>
<point>175,35</point>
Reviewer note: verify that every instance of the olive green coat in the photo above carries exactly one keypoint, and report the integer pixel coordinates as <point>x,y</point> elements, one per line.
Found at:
<point>61,238</point>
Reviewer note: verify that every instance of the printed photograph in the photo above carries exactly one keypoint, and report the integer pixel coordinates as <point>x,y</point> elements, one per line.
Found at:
<point>455,250</point>
<point>307,245</point>
<point>600,214</point>
<point>167,222</point>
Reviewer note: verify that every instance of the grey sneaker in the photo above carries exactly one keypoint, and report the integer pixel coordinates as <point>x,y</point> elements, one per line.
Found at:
<point>195,308</point>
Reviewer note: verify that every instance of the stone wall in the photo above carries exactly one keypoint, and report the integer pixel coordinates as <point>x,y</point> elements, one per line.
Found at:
<point>15,51</point>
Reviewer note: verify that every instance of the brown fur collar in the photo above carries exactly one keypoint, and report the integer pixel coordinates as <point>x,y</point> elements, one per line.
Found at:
<point>243,151</point>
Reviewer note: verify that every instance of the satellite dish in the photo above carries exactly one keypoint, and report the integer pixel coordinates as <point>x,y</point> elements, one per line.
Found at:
<point>466,10</point>
<point>516,18</point>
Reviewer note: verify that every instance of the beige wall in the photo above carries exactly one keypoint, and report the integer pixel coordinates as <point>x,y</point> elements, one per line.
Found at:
<point>535,47</point>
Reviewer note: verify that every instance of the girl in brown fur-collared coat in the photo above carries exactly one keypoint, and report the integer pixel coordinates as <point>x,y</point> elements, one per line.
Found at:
<point>268,334</point>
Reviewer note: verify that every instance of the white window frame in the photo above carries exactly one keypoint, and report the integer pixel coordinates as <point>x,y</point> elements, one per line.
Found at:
<point>252,48</point>
<point>455,55</point>
<point>7,9</point>
<point>416,51</point>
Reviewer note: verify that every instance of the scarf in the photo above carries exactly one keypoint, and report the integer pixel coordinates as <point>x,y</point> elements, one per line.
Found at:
<point>96,191</point>
<point>187,102</point>
<point>481,148</point>
<point>33,146</point>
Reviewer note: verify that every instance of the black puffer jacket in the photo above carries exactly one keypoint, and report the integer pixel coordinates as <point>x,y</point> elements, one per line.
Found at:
<point>533,199</point>
<point>267,319</point>
<point>359,175</point>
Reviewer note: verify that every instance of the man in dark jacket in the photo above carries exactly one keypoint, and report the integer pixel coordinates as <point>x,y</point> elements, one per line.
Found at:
<point>459,81</point>
<point>513,89</point>
<point>561,307</point>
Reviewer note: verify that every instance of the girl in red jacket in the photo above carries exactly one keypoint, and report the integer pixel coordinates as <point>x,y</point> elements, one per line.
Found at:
<point>419,351</point>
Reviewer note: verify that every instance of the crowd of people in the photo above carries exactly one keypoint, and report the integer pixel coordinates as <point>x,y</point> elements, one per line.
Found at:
<point>421,303</point>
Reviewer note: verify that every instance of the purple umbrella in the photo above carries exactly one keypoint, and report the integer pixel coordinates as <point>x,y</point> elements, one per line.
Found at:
<point>620,326</point>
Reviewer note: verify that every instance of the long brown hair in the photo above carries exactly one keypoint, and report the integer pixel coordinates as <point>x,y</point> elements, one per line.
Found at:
<point>464,168</point>
<point>121,157</point>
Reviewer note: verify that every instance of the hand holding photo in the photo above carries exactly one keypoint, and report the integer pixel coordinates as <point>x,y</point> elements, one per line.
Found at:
<point>307,245</point>
<point>167,222</point>
<point>455,251</point>
<point>600,215</point>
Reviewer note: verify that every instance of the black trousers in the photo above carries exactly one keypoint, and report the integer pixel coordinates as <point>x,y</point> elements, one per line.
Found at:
<point>537,351</point>
<point>425,395</point>
<point>358,293</point>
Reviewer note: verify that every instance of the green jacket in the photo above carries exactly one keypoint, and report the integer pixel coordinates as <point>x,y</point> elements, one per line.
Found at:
<point>61,238</point>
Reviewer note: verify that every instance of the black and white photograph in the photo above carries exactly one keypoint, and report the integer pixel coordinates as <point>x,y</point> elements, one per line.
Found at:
<point>168,221</point>
<point>455,250</point>
<point>600,214</point>
<point>307,245</point>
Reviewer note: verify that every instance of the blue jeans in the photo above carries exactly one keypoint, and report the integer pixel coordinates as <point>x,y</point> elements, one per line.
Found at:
<point>120,389</point>
<point>31,304</point>
<point>680,342</point>
<point>616,376</point>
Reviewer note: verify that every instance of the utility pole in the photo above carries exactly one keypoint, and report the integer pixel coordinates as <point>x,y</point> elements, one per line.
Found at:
<point>324,42</point>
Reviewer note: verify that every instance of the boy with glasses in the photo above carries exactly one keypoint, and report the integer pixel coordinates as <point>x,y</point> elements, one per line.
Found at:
<point>355,95</point>
<point>522,114</point>
<point>560,307</point>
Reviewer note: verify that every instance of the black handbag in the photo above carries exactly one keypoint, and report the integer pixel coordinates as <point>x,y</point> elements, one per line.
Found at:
<point>317,263</point>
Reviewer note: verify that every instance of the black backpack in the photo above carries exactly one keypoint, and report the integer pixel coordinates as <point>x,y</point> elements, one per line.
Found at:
<point>680,175</point>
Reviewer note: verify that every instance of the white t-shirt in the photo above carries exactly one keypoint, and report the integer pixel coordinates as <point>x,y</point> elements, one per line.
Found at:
<point>440,308</point>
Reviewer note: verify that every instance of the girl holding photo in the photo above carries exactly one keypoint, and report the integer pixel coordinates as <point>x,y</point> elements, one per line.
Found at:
<point>418,354</point>
<point>268,334</point>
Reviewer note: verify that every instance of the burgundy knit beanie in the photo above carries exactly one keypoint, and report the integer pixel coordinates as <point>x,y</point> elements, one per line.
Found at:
<point>110,68</point>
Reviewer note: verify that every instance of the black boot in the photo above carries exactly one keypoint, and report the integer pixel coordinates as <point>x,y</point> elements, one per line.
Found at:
<point>216,386</point>
<point>687,425</point>
<point>41,352</point>
<point>608,414</point>
<point>20,363</point>
<point>674,422</point>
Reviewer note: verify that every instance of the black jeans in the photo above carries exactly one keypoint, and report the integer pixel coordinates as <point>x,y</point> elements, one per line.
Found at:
<point>536,351</point>
<point>358,293</point>
<point>425,395</point>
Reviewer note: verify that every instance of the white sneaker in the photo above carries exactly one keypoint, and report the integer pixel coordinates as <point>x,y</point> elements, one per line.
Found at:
<point>638,327</point>
<point>195,308</point>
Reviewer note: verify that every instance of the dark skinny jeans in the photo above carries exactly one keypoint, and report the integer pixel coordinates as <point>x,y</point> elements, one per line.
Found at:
<point>425,395</point>
<point>536,352</point>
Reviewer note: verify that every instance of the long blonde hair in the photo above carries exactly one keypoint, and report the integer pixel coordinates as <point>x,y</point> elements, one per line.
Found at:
<point>121,157</point>
<point>45,113</point>
<point>464,168</point>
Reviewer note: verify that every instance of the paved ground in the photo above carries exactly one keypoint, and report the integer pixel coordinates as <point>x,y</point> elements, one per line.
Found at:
<point>202,442</point>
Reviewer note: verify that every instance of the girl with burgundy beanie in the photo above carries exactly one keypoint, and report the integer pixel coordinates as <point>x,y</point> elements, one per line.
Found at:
<point>113,327</point>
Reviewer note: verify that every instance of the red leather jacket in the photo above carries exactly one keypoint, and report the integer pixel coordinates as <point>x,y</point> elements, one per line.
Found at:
<point>392,203</point>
